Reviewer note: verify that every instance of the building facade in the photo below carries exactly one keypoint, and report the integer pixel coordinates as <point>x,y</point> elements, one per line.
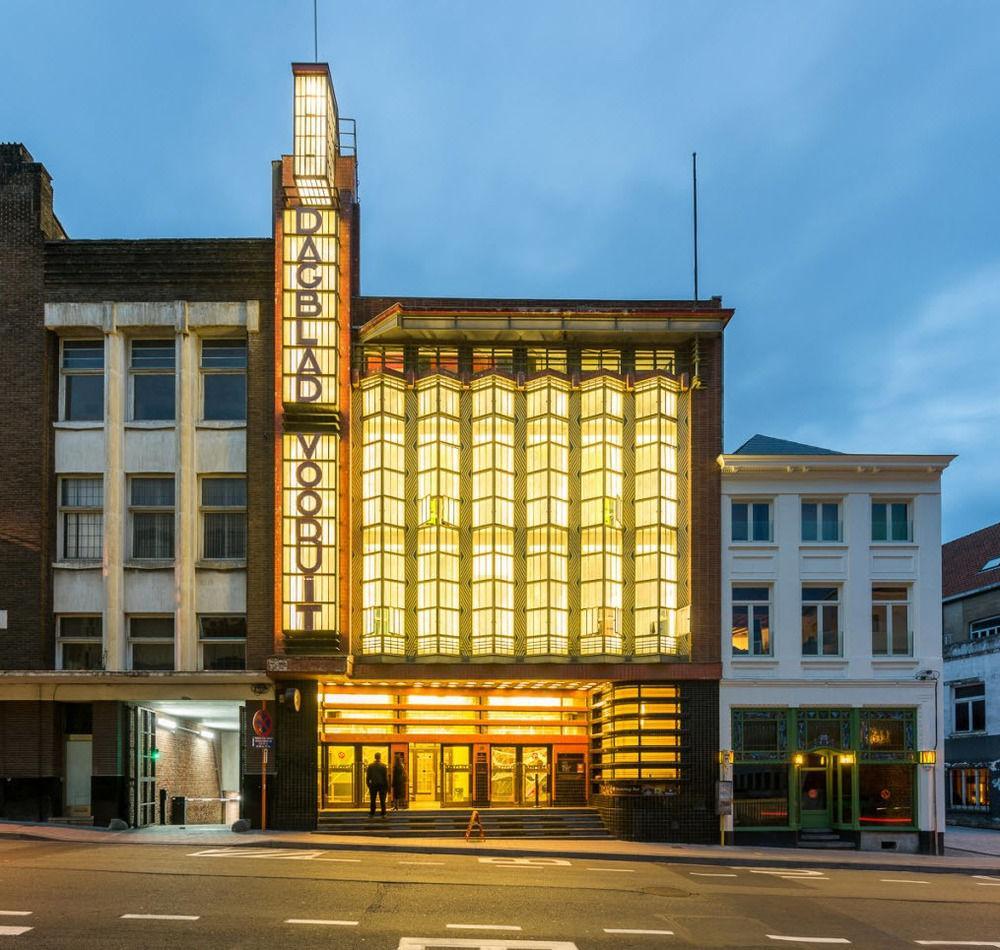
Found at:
<point>477,535</point>
<point>971,618</point>
<point>830,710</point>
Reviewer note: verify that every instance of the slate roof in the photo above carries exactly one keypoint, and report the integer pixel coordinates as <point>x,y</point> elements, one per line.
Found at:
<point>963,558</point>
<point>768,445</point>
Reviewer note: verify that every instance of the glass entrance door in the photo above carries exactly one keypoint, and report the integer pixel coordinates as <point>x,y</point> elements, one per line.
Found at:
<point>503,769</point>
<point>338,771</point>
<point>814,798</point>
<point>535,775</point>
<point>366,755</point>
<point>457,775</point>
<point>424,761</point>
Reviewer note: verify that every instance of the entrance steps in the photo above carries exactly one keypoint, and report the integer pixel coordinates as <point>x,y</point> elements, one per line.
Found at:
<point>824,839</point>
<point>572,823</point>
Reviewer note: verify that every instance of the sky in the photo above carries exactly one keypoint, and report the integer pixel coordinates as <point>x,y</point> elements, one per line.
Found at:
<point>847,165</point>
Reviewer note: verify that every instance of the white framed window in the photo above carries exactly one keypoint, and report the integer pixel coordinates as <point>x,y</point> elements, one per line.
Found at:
<point>821,521</point>
<point>153,380</point>
<point>820,620</point>
<point>891,620</point>
<point>224,380</point>
<point>751,621</point>
<point>751,520</point>
<point>987,627</point>
<point>224,518</point>
<point>891,520</point>
<point>80,642</point>
<point>151,517</point>
<point>969,789</point>
<point>151,643</point>
<point>82,381</point>
<point>223,641</point>
<point>969,707</point>
<point>81,518</point>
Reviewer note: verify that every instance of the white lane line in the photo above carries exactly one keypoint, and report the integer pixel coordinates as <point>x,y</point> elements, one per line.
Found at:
<point>987,883</point>
<point>158,917</point>
<point>799,877</point>
<point>15,913</point>
<point>425,864</point>
<point>614,870</point>
<point>322,923</point>
<point>481,927</point>
<point>654,933</point>
<point>809,939</point>
<point>341,860</point>
<point>712,874</point>
<point>900,880</point>
<point>14,931</point>
<point>957,943</point>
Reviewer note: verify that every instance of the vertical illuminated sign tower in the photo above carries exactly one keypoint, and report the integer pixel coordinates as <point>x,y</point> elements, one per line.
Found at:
<point>310,371</point>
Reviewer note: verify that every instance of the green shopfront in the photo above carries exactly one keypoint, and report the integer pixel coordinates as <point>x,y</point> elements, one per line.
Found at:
<point>824,774</point>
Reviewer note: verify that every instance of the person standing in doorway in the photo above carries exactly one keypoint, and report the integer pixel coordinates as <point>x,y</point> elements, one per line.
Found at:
<point>377,779</point>
<point>398,782</point>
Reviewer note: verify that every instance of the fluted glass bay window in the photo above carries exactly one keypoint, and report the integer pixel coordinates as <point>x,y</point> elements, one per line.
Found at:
<point>383,514</point>
<point>601,429</point>
<point>548,516</point>
<point>492,516</point>
<point>656,517</point>
<point>438,491</point>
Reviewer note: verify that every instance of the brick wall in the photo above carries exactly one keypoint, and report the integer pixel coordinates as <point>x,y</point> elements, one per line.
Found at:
<point>189,765</point>
<point>293,800</point>
<point>30,760</point>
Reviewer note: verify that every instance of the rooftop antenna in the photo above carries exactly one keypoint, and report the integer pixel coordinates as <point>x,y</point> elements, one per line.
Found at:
<point>315,32</point>
<point>694,195</point>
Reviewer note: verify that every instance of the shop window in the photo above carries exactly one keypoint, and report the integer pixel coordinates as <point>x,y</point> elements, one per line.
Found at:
<point>224,380</point>
<point>888,733</point>
<point>885,795</point>
<point>152,376</point>
<point>751,627</point>
<point>81,502</point>
<point>151,643</point>
<point>224,518</point>
<point>981,629</point>
<point>970,707</point>
<point>891,521</point>
<point>83,380</point>
<point>969,789</point>
<point>891,621</point>
<point>151,513</point>
<point>751,521</point>
<point>223,642</point>
<point>820,621</point>
<point>760,795</point>
<point>821,521</point>
<point>81,642</point>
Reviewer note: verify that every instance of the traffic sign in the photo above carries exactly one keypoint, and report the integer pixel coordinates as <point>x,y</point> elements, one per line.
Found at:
<point>262,742</point>
<point>262,723</point>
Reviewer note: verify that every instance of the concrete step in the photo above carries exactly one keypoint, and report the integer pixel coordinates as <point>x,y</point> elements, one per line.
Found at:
<point>836,845</point>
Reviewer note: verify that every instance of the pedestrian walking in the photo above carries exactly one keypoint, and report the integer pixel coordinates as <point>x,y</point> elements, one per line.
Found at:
<point>377,779</point>
<point>398,782</point>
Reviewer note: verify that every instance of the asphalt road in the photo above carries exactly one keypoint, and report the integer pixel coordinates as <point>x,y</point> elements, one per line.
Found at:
<point>117,896</point>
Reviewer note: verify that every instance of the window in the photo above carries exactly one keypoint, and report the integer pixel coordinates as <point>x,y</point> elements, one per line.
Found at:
<point>83,380</point>
<point>593,361</point>
<point>980,629</point>
<point>492,358</point>
<point>378,359</point>
<point>991,565</point>
<point>224,518</point>
<point>885,795</point>
<point>81,502</point>
<point>820,621</point>
<point>891,621</point>
<point>751,521</point>
<point>224,380</point>
<point>223,643</point>
<point>970,708</point>
<point>151,510</point>
<point>647,361</point>
<point>760,795</point>
<point>152,380</point>
<point>433,358</point>
<point>151,643</point>
<point>969,789</point>
<point>891,521</point>
<point>81,644</point>
<point>821,521</point>
<point>546,358</point>
<point>751,632</point>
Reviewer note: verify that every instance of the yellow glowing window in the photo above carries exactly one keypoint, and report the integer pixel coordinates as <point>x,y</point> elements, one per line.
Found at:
<point>647,361</point>
<point>356,699</point>
<point>546,358</point>
<point>591,361</point>
<point>444,700</point>
<point>490,357</point>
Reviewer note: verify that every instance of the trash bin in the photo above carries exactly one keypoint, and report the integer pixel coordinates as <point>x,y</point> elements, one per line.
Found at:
<point>178,810</point>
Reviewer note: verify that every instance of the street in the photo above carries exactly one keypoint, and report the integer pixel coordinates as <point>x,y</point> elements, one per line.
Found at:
<point>77,895</point>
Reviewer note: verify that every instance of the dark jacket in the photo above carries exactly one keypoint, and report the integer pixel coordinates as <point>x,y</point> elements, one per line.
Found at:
<point>377,776</point>
<point>398,780</point>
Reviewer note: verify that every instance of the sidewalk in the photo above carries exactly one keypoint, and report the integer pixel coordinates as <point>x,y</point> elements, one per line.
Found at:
<point>967,849</point>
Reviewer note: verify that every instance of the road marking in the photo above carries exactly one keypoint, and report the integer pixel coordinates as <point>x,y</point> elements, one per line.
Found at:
<point>987,883</point>
<point>14,931</point>
<point>158,917</point>
<point>712,874</point>
<point>323,923</point>
<point>809,939</point>
<point>614,870</point>
<point>900,880</point>
<point>653,933</point>
<point>15,913</point>
<point>435,864</point>
<point>526,862</point>
<point>800,877</point>
<point>494,943</point>
<point>339,860</point>
<point>787,872</point>
<point>481,927</point>
<point>957,943</point>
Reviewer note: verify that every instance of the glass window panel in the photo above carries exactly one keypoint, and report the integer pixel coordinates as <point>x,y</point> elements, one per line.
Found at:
<point>153,397</point>
<point>225,397</point>
<point>83,354</point>
<point>151,628</point>
<point>83,656</point>
<point>153,354</point>
<point>84,397</point>
<point>223,354</point>
<point>741,521</point>
<point>224,492</point>
<point>152,492</point>
<point>225,628</point>
<point>81,628</point>
<point>152,657</point>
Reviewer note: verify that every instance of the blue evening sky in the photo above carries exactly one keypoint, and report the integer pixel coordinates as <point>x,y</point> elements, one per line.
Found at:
<point>848,168</point>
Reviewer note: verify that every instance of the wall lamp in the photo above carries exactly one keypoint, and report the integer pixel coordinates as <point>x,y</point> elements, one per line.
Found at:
<point>846,758</point>
<point>928,756</point>
<point>798,759</point>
